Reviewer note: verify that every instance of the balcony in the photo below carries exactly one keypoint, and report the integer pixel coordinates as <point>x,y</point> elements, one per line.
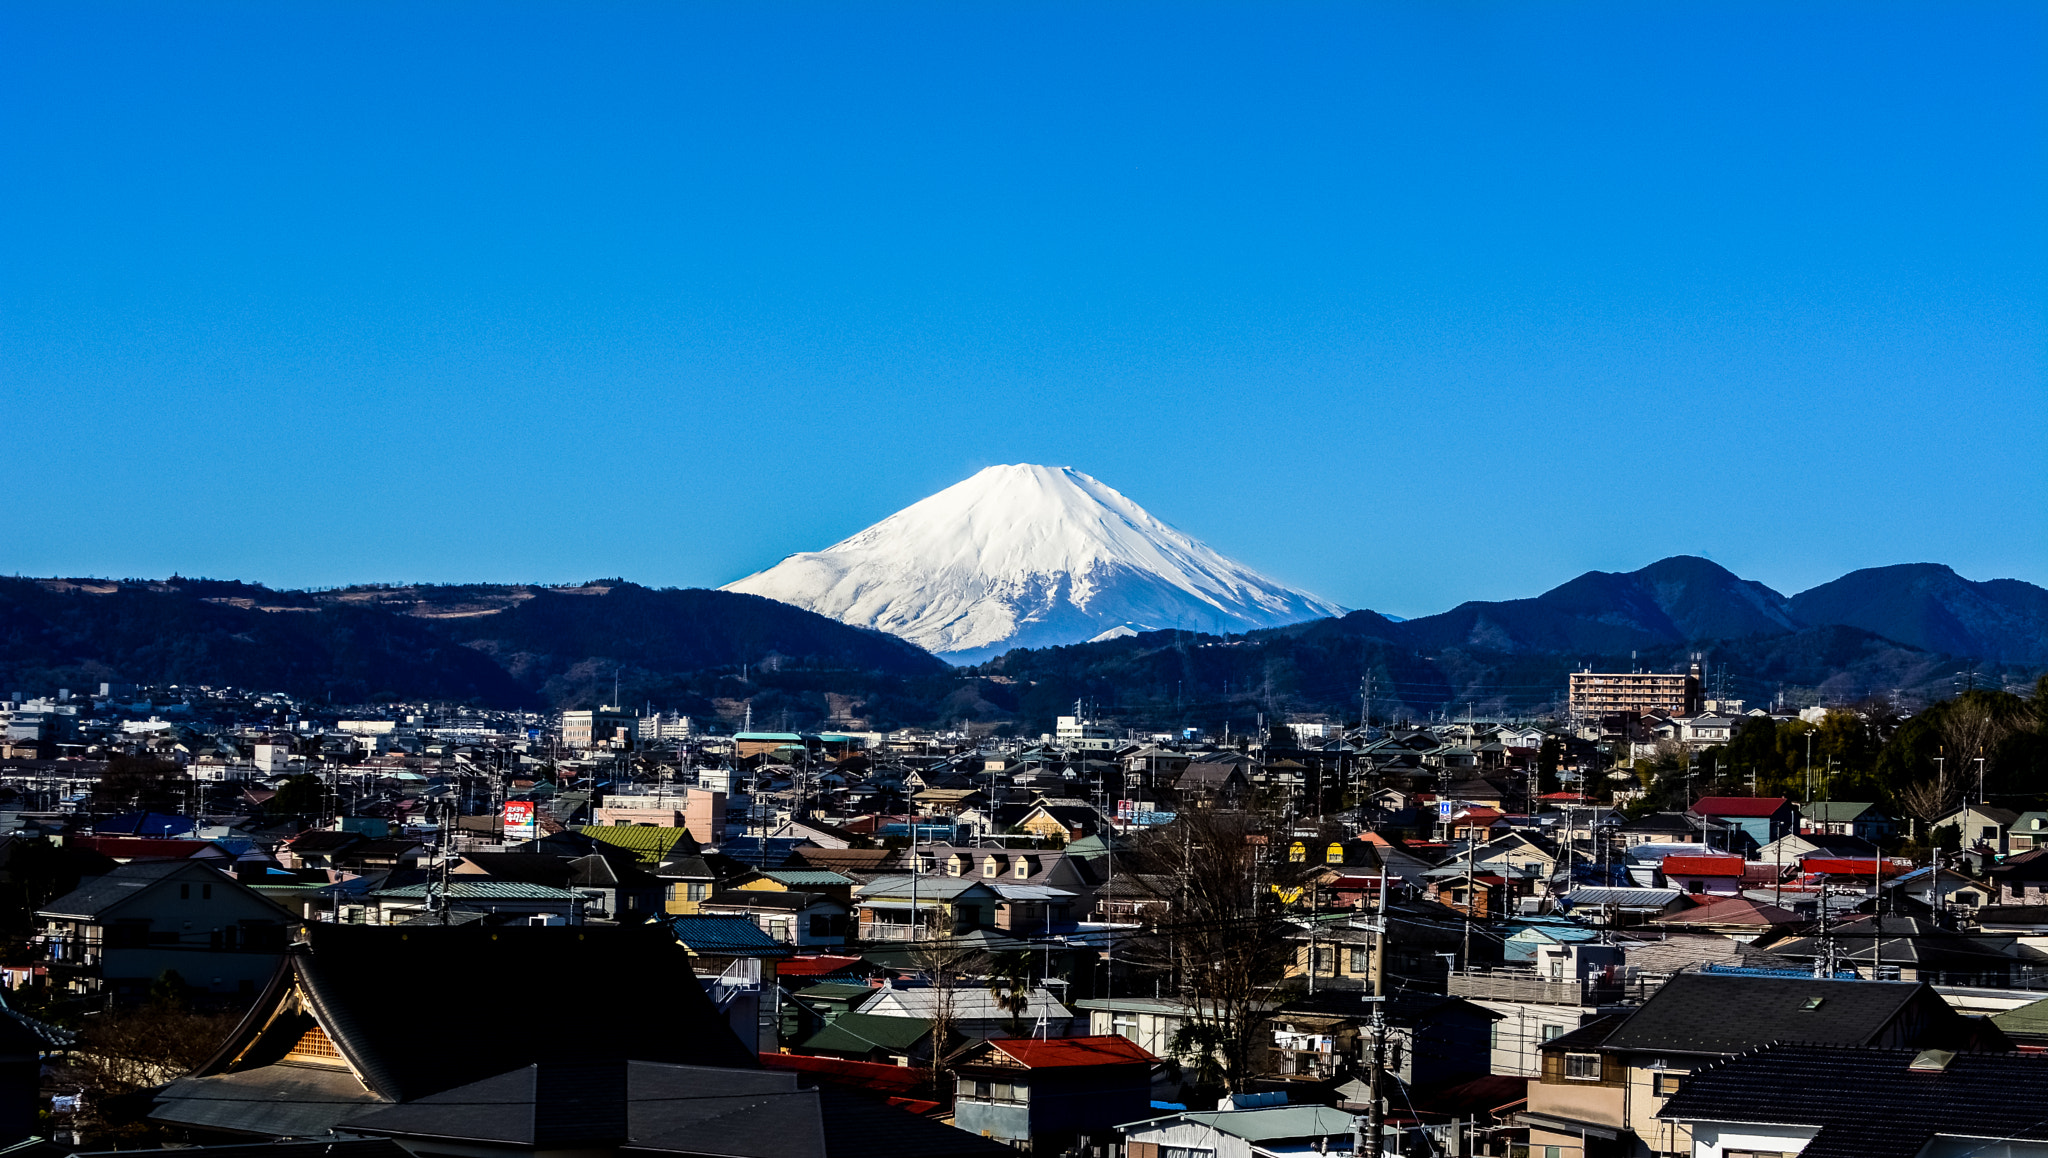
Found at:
<point>1527,986</point>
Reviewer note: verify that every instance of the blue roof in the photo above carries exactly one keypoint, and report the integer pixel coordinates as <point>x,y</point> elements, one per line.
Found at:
<point>726,936</point>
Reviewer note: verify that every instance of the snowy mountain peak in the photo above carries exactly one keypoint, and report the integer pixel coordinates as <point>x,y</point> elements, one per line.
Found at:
<point>1028,556</point>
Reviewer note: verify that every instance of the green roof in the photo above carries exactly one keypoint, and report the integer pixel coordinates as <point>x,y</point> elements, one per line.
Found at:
<point>649,843</point>
<point>2030,1019</point>
<point>806,878</point>
<point>1837,811</point>
<point>837,991</point>
<point>861,1032</point>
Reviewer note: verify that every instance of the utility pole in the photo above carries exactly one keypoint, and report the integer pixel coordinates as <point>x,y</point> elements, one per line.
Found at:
<point>1375,1114</point>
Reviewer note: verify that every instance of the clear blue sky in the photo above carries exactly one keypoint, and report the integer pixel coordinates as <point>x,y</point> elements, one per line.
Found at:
<point>1406,304</point>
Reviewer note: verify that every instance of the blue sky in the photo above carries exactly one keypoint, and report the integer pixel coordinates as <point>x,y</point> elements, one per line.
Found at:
<point>1405,304</point>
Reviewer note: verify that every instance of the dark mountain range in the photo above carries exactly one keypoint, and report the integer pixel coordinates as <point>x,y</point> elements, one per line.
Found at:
<point>1676,600</point>
<point>1894,630</point>
<point>501,646</point>
<point>1930,607</point>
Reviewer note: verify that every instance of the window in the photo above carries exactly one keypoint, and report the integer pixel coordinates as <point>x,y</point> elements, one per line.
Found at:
<point>1325,960</point>
<point>1551,1031</point>
<point>1023,870</point>
<point>821,925</point>
<point>1582,1067</point>
<point>1297,853</point>
<point>1334,854</point>
<point>205,892</point>
<point>1361,961</point>
<point>1665,1085</point>
<point>184,892</point>
<point>989,868</point>
<point>1186,1152</point>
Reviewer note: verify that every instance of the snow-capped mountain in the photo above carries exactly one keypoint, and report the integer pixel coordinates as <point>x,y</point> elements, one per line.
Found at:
<point>1028,556</point>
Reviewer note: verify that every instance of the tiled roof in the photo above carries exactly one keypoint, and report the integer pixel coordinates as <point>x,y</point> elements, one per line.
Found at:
<point>726,937</point>
<point>1872,1103</point>
<point>651,844</point>
<point>1697,1013</point>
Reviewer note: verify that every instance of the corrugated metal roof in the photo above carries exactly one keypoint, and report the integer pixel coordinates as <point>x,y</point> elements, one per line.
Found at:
<point>484,890</point>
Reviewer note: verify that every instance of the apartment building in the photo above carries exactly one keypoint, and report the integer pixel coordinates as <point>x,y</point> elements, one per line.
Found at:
<point>1596,694</point>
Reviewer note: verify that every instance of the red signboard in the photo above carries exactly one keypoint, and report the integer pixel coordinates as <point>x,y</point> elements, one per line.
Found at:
<point>519,818</point>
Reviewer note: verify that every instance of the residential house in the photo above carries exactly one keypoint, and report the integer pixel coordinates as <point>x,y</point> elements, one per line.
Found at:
<point>2022,879</point>
<point>1859,819</point>
<point>1605,1085</point>
<point>804,920</point>
<point>1796,1098</point>
<point>495,902</point>
<point>1714,875</point>
<point>326,1042</point>
<point>1258,1131</point>
<point>918,908</point>
<point>903,1041</point>
<point>1566,985</point>
<point>119,932</point>
<point>1760,819</point>
<point>1054,1096</point>
<point>613,1109</point>
<point>1895,947</point>
<point>686,881</point>
<point>736,964</point>
<point>974,1011</point>
<point>1432,1040</point>
<point>615,885</point>
<point>2029,831</point>
<point>1982,826</point>
<point>1213,780</point>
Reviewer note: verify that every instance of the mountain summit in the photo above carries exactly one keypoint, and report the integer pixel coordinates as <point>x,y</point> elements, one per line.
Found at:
<point>1028,556</point>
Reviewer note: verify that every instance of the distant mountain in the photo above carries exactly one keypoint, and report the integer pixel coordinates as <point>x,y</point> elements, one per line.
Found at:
<point>1677,600</point>
<point>1029,556</point>
<point>1929,606</point>
<point>78,633</point>
<point>499,646</point>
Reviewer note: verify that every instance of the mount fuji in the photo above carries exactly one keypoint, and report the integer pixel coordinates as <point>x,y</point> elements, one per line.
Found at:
<point>1028,556</point>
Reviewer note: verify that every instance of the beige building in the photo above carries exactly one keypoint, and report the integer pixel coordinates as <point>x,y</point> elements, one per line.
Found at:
<point>1596,694</point>
<point>602,727</point>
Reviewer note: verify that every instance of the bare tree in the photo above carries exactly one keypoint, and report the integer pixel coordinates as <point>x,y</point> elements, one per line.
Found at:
<point>1930,800</point>
<point>1971,727</point>
<point>943,965</point>
<point>1221,937</point>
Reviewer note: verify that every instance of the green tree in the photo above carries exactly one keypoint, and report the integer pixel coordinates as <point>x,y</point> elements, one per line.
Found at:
<point>300,797</point>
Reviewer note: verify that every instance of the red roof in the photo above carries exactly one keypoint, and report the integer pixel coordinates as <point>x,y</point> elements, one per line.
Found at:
<point>1739,805</point>
<point>881,1077</point>
<point>815,966</point>
<point>1566,797</point>
<point>1846,866</point>
<point>1108,1050</point>
<point>1703,866</point>
<point>1479,813</point>
<point>148,847</point>
<point>1730,911</point>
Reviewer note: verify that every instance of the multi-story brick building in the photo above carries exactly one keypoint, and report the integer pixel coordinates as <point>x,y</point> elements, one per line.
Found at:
<point>1597,694</point>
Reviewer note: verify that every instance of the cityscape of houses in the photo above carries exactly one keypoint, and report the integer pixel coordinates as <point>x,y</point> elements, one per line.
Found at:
<point>235,918</point>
